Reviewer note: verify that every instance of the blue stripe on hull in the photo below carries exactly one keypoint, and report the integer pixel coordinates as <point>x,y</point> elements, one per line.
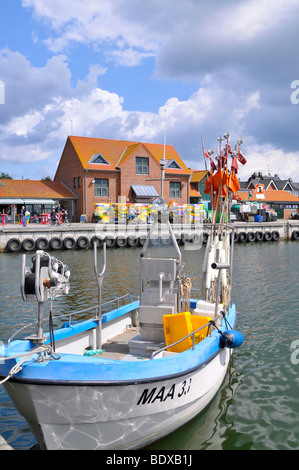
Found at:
<point>75,369</point>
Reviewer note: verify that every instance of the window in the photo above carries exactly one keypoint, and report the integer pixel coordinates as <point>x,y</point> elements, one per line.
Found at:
<point>101,187</point>
<point>174,189</point>
<point>173,164</point>
<point>98,158</point>
<point>142,166</point>
<point>74,182</point>
<point>79,181</point>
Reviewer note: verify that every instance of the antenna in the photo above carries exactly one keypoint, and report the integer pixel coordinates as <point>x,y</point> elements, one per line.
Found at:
<point>165,132</point>
<point>163,160</point>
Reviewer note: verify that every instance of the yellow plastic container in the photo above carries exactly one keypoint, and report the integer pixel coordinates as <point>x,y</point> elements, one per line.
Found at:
<point>181,324</point>
<point>198,322</point>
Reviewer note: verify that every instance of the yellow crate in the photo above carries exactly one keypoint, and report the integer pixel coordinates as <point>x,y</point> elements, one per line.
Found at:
<point>181,324</point>
<point>198,322</point>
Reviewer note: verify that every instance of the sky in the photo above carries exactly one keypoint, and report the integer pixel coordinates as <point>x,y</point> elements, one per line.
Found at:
<point>145,69</point>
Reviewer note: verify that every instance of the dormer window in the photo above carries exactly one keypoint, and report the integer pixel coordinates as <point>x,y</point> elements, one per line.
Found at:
<point>99,159</point>
<point>173,164</point>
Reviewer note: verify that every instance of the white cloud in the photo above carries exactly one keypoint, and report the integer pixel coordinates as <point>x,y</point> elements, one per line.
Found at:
<point>23,125</point>
<point>94,22</point>
<point>38,130</point>
<point>268,159</point>
<point>242,54</point>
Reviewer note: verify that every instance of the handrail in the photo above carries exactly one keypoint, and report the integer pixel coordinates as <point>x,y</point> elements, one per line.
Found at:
<point>77,312</point>
<point>182,339</point>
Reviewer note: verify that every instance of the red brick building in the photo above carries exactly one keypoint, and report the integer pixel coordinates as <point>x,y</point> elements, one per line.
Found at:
<point>103,170</point>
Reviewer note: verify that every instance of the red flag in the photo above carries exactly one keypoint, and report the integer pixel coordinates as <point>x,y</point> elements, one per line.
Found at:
<point>228,149</point>
<point>208,185</point>
<point>213,166</point>
<point>241,157</point>
<point>223,160</point>
<point>235,165</point>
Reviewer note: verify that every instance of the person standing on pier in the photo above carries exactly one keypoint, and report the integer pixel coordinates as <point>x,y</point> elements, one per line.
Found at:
<point>23,216</point>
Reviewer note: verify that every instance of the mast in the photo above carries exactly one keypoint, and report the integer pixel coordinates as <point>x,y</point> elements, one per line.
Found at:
<point>221,185</point>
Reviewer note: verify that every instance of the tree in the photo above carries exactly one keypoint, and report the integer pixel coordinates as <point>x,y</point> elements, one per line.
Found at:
<point>5,176</point>
<point>47,178</point>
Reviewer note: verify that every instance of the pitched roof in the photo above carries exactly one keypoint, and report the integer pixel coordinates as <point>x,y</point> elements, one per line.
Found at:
<point>197,175</point>
<point>193,191</point>
<point>271,195</point>
<point>34,189</point>
<point>117,151</point>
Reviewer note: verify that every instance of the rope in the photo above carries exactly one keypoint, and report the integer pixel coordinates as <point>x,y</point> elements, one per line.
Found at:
<point>186,293</point>
<point>18,367</point>
<point>51,326</point>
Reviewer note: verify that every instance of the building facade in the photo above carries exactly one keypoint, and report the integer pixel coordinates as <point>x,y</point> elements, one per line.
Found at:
<point>113,171</point>
<point>38,197</point>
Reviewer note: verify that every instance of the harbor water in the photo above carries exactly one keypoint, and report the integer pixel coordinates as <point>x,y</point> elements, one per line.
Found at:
<point>257,407</point>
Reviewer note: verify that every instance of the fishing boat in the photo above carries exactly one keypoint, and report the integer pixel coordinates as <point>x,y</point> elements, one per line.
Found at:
<point>127,376</point>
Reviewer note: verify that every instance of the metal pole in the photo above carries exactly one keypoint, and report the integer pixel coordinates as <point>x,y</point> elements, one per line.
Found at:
<point>100,277</point>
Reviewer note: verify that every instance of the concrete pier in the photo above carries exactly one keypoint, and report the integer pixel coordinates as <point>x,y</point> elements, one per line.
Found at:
<point>14,238</point>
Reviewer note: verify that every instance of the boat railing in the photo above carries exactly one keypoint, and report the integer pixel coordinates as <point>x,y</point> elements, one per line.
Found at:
<point>68,316</point>
<point>193,333</point>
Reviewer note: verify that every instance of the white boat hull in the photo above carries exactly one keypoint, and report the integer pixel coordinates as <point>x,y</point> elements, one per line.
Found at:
<point>122,416</point>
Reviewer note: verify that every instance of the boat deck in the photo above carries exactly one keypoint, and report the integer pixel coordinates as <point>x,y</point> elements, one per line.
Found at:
<point>118,349</point>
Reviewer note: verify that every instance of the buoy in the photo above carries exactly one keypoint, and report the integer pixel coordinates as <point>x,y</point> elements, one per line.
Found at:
<point>94,352</point>
<point>231,339</point>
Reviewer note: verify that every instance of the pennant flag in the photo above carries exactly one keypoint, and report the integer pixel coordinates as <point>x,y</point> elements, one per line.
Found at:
<point>233,183</point>
<point>213,166</point>
<point>235,165</point>
<point>223,160</point>
<point>208,185</point>
<point>228,149</point>
<point>241,157</point>
<point>217,178</point>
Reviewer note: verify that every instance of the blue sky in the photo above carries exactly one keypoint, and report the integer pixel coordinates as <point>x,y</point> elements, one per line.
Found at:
<point>110,69</point>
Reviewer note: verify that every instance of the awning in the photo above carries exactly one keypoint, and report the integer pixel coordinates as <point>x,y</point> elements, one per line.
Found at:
<point>26,201</point>
<point>39,201</point>
<point>11,201</point>
<point>145,191</point>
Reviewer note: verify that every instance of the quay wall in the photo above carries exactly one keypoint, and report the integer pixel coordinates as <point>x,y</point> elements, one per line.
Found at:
<point>80,236</point>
